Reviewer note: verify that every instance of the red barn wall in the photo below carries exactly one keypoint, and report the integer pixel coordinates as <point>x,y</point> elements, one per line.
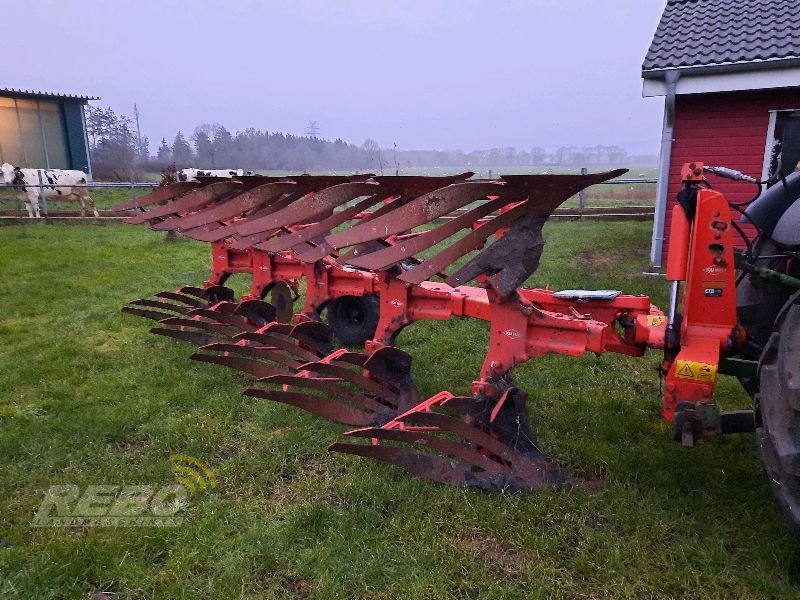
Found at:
<point>724,129</point>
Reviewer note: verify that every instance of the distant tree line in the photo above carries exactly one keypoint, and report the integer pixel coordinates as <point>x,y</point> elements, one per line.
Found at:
<point>117,151</point>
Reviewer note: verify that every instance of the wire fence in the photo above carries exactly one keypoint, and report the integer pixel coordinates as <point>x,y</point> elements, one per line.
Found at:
<point>114,192</point>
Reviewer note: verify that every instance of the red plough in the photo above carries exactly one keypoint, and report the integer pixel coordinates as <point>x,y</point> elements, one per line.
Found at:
<point>282,234</point>
<point>379,253</point>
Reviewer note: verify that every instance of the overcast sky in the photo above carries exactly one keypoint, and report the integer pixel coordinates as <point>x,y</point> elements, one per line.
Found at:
<point>424,74</point>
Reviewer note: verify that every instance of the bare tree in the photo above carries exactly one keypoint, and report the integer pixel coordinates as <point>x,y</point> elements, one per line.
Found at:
<point>537,155</point>
<point>374,153</point>
<point>615,154</point>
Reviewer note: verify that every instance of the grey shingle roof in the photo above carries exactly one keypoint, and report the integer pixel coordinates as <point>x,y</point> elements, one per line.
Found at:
<point>732,33</point>
<point>35,94</point>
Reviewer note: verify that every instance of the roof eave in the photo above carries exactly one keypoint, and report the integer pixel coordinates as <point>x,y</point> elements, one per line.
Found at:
<point>51,95</point>
<point>732,67</point>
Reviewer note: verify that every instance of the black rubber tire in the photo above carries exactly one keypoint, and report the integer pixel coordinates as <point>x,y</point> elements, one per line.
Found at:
<point>353,319</point>
<point>779,403</point>
<point>759,302</point>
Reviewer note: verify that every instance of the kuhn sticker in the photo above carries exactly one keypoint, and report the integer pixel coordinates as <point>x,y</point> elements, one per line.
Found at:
<point>715,270</point>
<point>395,303</point>
<point>512,333</point>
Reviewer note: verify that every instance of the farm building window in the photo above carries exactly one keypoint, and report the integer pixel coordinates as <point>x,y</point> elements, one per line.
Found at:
<point>32,134</point>
<point>784,150</point>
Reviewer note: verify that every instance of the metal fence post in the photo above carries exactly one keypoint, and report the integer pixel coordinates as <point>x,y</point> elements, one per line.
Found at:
<point>133,187</point>
<point>42,195</point>
<point>582,194</point>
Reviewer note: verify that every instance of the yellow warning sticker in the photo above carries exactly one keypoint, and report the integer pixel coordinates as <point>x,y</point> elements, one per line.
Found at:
<point>697,371</point>
<point>656,320</point>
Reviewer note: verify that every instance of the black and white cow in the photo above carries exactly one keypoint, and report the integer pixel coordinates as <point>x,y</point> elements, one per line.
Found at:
<point>193,174</point>
<point>29,194</point>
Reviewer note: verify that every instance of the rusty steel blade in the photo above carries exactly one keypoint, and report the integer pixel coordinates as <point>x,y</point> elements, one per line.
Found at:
<point>223,317</point>
<point>438,263</point>
<point>257,311</point>
<point>407,248</point>
<point>215,294</point>
<point>256,352</point>
<point>462,429</point>
<point>323,249</point>
<point>185,299</point>
<point>305,186</point>
<point>411,186</point>
<point>426,440</point>
<point>509,261</point>
<point>547,190</point>
<point>225,307</point>
<point>442,470</point>
<point>195,337</point>
<point>513,258</point>
<point>277,341</point>
<point>193,291</point>
<point>168,224</point>
<point>417,212</point>
<point>545,193</point>
<point>328,386</point>
<point>246,365</point>
<point>190,201</point>
<point>387,363</point>
<point>311,208</point>
<point>238,205</point>
<point>293,240</point>
<point>198,324</point>
<point>240,242</point>
<point>315,336</point>
<point>317,405</point>
<point>357,379</point>
<point>536,472</point>
<point>196,233</point>
<point>405,189</point>
<point>158,195</point>
<point>209,233</point>
<point>245,243</point>
<point>281,329</point>
<point>312,183</point>
<point>178,308</point>
<point>147,314</point>
<point>358,359</point>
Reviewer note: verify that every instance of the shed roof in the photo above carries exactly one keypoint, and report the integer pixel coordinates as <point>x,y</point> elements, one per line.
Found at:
<point>50,95</point>
<point>725,35</point>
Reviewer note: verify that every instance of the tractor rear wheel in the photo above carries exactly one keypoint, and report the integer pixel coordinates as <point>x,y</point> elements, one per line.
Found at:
<point>779,403</point>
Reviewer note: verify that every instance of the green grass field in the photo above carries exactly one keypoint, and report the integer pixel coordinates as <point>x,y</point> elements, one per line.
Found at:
<point>91,398</point>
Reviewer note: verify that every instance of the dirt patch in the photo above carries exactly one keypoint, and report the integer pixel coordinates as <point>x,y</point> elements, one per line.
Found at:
<point>501,556</point>
<point>130,445</point>
<point>589,260</point>
<point>296,587</point>
<point>589,483</point>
